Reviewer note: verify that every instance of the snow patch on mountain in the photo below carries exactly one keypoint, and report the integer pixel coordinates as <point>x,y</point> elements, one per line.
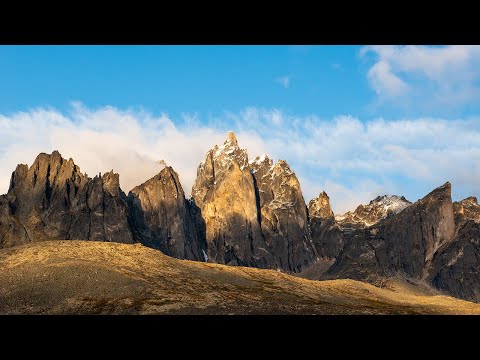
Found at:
<point>378,209</point>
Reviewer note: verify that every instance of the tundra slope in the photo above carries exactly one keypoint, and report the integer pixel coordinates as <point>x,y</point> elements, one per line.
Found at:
<point>79,277</point>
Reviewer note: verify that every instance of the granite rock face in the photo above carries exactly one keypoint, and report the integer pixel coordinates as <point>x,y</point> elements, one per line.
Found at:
<point>455,269</point>
<point>282,214</point>
<point>224,193</point>
<point>413,236</point>
<point>327,236</point>
<point>161,218</point>
<point>254,213</point>
<point>52,199</point>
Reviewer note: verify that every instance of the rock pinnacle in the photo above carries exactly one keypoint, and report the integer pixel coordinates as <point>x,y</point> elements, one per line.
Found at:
<point>232,138</point>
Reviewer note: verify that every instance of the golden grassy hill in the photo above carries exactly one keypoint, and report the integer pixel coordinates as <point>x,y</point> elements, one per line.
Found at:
<point>79,277</point>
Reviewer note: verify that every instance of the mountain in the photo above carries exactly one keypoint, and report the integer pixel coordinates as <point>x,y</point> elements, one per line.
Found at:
<point>430,243</point>
<point>78,277</point>
<point>378,209</point>
<point>52,199</point>
<point>254,213</point>
<point>251,213</point>
<point>401,245</point>
<point>224,193</point>
<point>161,218</point>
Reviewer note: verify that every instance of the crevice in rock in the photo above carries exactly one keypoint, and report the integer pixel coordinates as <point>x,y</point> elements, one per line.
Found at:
<point>48,188</point>
<point>257,200</point>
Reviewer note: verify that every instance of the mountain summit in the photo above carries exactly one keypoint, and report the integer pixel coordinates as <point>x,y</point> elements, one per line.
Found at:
<point>245,207</point>
<point>378,209</point>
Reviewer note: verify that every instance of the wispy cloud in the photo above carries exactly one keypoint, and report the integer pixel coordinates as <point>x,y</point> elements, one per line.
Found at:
<point>385,82</point>
<point>337,66</point>
<point>428,76</point>
<point>284,81</point>
<point>352,160</point>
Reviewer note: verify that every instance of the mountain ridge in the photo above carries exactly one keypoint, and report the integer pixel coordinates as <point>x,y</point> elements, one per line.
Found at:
<point>250,213</point>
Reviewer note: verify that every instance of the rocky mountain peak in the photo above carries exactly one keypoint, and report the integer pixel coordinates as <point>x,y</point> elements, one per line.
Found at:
<point>403,244</point>
<point>320,207</point>
<point>433,216</point>
<point>231,139</point>
<point>217,163</point>
<point>260,162</point>
<point>224,193</point>
<point>161,217</point>
<point>467,209</point>
<point>378,209</point>
<point>52,199</point>
<point>254,212</point>
<point>229,152</point>
<point>441,192</point>
<point>325,232</point>
<point>111,182</point>
<point>471,200</point>
<point>281,167</point>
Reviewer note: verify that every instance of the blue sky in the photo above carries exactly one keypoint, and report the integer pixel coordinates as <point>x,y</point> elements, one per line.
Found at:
<point>179,79</point>
<point>356,121</point>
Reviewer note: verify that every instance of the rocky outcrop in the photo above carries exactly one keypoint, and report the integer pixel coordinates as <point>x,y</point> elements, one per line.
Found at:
<point>326,235</point>
<point>378,209</point>
<point>282,214</point>
<point>53,200</point>
<point>254,213</point>
<point>12,231</point>
<point>161,217</point>
<point>402,244</point>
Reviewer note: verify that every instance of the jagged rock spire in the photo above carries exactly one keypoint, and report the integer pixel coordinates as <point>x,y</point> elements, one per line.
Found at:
<point>320,207</point>
<point>232,138</point>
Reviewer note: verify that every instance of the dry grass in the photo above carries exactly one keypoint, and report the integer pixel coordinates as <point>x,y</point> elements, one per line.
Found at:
<point>77,277</point>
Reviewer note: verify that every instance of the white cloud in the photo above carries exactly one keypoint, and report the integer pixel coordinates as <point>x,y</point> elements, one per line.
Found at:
<point>431,76</point>
<point>130,143</point>
<point>353,161</point>
<point>384,82</point>
<point>284,81</point>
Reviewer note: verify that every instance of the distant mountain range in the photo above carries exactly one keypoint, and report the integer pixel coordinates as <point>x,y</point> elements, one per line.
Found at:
<point>251,213</point>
